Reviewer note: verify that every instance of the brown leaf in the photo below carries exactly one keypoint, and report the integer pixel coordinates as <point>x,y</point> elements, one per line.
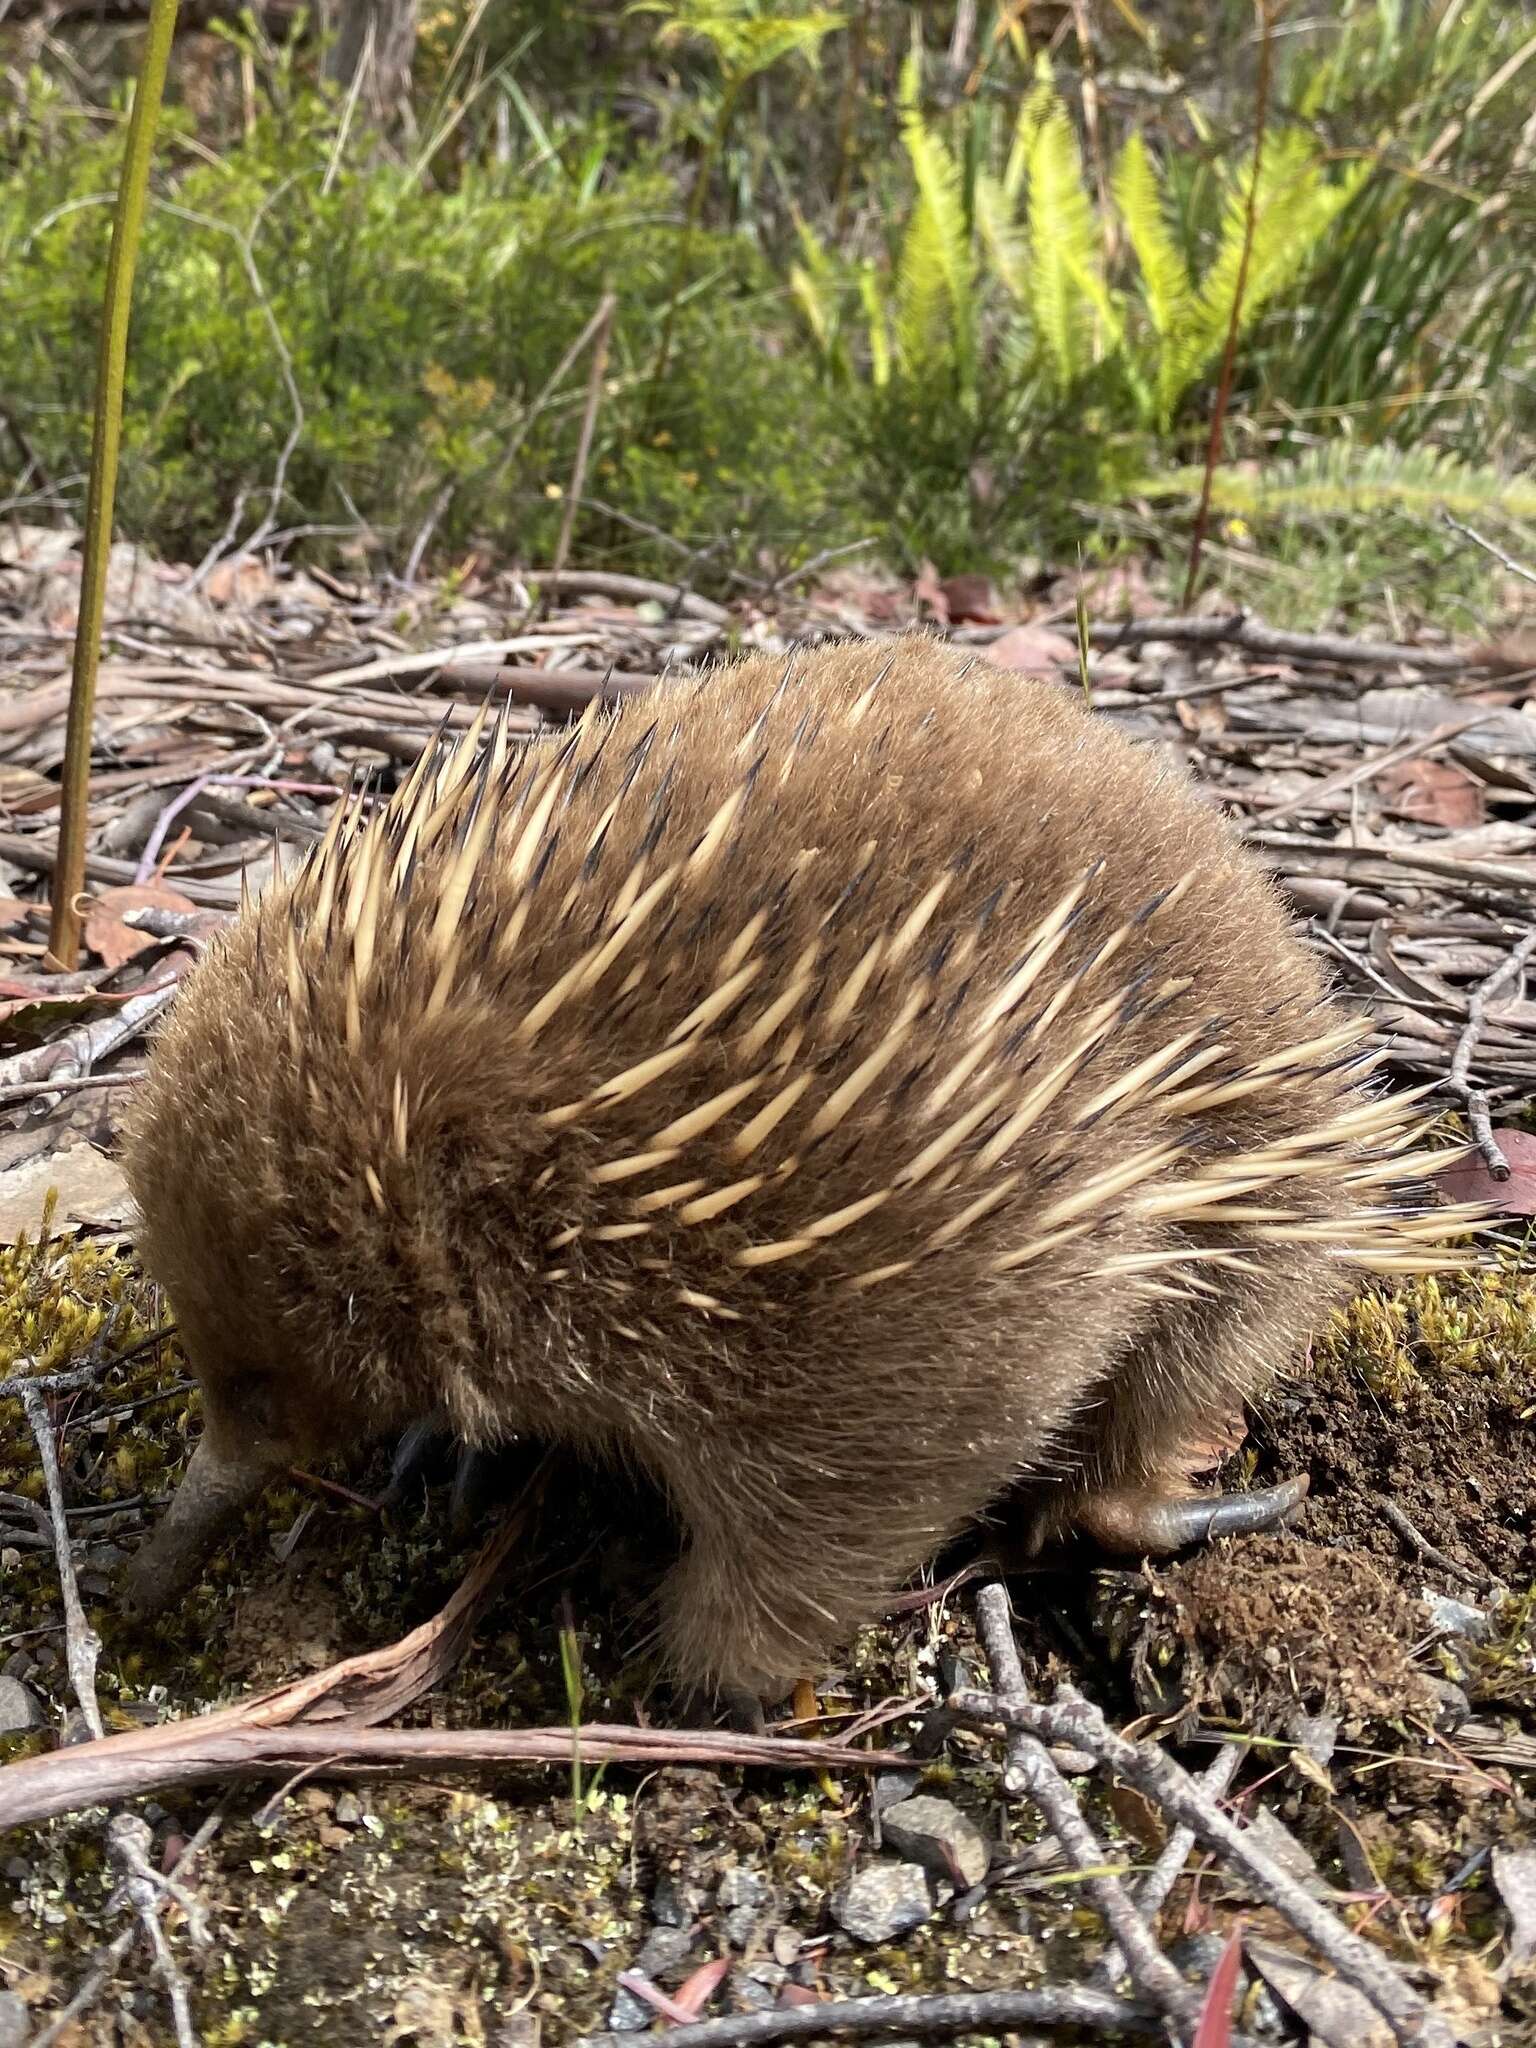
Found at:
<point>14,913</point>
<point>971,598</point>
<point>1032,651</point>
<point>104,930</point>
<point>1470,1181</point>
<point>1140,1818</point>
<point>1434,792</point>
<point>700,1986</point>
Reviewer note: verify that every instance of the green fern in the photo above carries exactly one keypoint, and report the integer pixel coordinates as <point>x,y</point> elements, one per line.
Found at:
<point>935,282</point>
<point>1342,480</point>
<point>1295,208</point>
<point>1064,285</point>
<point>1166,285</point>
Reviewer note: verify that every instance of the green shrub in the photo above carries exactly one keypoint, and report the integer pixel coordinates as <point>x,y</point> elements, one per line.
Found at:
<point>419,332</point>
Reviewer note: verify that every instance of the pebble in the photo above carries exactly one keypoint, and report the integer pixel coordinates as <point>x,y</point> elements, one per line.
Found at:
<point>1456,1618</point>
<point>15,2026</point>
<point>755,1987</point>
<point>349,1810</point>
<point>19,1709</point>
<point>664,1956</point>
<point>675,1902</point>
<point>882,1901</point>
<point>891,1787</point>
<point>939,1836</point>
<point>743,1896</point>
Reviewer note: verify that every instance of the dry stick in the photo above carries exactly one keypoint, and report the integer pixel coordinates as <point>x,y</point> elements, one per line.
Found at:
<point>1239,291</point>
<point>1479,1114</point>
<point>1074,1721</point>
<point>1241,629</point>
<point>602,326</point>
<point>922,2015</point>
<point>1030,1767</point>
<point>1152,1893</point>
<point>229,1745</point>
<point>1505,561</point>
<point>1419,1545</point>
<point>126,1835</point>
<point>105,1966</point>
<point>106,436</point>
<point>1365,771</point>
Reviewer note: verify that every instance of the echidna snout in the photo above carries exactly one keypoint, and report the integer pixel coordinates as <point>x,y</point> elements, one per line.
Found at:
<point>845,1090</point>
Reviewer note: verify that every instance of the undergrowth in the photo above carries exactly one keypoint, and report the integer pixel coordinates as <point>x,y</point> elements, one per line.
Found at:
<point>969,313</point>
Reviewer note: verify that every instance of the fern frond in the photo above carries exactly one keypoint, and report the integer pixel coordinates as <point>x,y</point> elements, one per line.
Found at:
<point>1065,278</point>
<point>938,255</point>
<point>1342,480</point>
<point>879,326</point>
<point>1034,109</point>
<point>1295,207</point>
<point>1165,280</point>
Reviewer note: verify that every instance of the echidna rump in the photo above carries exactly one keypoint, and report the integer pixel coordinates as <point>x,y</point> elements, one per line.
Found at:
<point>847,1089</point>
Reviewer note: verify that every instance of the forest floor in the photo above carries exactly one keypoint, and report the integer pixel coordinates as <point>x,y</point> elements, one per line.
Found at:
<point>1368,1675</point>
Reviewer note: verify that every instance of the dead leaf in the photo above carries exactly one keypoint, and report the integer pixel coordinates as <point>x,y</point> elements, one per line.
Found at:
<point>1334,2011</point>
<point>91,1191</point>
<point>1215,2027</point>
<point>14,913</point>
<point>238,582</point>
<point>1140,1817</point>
<point>1032,650</point>
<point>1472,1182</point>
<point>971,598</point>
<point>700,1986</point>
<point>1434,793</point>
<point>105,933</point>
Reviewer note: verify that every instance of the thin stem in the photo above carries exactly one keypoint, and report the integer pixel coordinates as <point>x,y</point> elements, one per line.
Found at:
<point>101,490</point>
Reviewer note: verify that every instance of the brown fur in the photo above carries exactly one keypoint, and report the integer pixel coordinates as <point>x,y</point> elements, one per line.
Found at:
<point>355,1193</point>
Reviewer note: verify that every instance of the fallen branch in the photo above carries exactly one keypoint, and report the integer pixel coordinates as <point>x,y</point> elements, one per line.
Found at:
<point>1030,1767</point>
<point>338,1708</point>
<point>213,1747</point>
<point>921,2015</point>
<point>1458,1080</point>
<point>1074,1721</point>
<point>1242,629</point>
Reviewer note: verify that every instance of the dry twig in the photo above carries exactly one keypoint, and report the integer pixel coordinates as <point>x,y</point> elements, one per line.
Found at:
<point>1074,1721</point>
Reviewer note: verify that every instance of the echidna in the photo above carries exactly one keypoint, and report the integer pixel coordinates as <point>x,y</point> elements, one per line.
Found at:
<point>847,1089</point>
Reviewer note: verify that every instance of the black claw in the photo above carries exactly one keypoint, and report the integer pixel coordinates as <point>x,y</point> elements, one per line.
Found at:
<point>1225,1514</point>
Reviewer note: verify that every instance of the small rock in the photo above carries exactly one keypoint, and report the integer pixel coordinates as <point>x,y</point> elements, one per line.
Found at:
<point>1268,1832</point>
<point>674,1902</point>
<point>1456,1618</point>
<point>1317,1735</point>
<point>629,2014</point>
<point>1454,1706</point>
<point>15,2026</point>
<point>785,1945</point>
<point>755,1987</point>
<point>17,1665</point>
<point>741,1887</point>
<point>664,1958</point>
<point>349,1810</point>
<point>17,1869</point>
<point>891,1787</point>
<point>19,1709</point>
<point>939,1836</point>
<point>882,1901</point>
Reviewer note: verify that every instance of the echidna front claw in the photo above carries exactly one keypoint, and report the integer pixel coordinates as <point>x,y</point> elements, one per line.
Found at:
<point>429,1454</point>
<point>1140,1523</point>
